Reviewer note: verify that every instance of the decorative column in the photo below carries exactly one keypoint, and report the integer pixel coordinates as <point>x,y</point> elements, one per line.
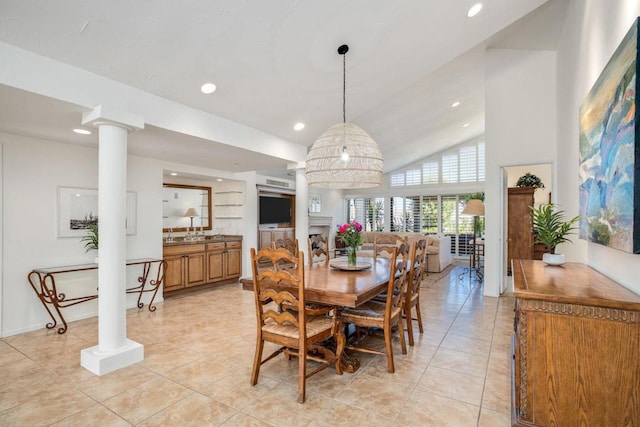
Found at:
<point>302,208</point>
<point>114,351</point>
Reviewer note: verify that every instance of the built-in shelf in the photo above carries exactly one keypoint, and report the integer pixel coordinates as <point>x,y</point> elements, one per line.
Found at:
<point>228,205</point>
<point>228,217</point>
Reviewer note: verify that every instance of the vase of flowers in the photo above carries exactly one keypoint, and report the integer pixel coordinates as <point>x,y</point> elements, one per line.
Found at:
<point>349,234</point>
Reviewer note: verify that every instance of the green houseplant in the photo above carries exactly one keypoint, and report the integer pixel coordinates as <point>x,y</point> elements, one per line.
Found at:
<point>551,230</point>
<point>529,180</point>
<point>91,238</point>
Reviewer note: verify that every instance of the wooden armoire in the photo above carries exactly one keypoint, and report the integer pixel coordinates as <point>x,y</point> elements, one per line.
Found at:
<point>519,228</point>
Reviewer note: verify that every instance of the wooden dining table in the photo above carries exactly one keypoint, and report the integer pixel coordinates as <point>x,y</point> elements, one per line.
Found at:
<point>342,288</point>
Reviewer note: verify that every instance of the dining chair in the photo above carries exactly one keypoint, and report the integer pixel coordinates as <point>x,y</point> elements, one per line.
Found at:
<point>412,295</point>
<point>318,249</point>
<point>384,315</point>
<point>289,244</point>
<point>383,245</point>
<point>298,331</point>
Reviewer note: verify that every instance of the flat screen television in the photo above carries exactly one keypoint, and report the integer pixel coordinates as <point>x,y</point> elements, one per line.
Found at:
<point>274,210</point>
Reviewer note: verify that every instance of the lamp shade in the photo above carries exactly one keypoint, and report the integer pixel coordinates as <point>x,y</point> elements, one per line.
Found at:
<point>474,207</point>
<point>326,167</point>
<point>191,212</point>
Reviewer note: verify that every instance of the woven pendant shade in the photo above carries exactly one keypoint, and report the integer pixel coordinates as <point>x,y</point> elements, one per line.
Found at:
<point>325,167</point>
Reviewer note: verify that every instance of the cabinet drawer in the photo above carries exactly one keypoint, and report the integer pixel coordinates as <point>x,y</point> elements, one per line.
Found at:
<point>234,245</point>
<point>182,249</point>
<point>218,246</point>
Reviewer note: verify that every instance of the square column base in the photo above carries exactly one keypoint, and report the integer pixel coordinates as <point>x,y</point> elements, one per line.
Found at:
<point>103,362</point>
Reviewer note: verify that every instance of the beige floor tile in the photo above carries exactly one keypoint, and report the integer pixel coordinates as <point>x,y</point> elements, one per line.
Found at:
<point>196,373</point>
<point>244,420</point>
<point>376,395</point>
<point>428,409</point>
<point>96,415</point>
<point>195,410</point>
<point>340,414</point>
<point>51,405</point>
<point>139,403</point>
<point>459,361</point>
<point>452,384</point>
<point>479,346</point>
<point>489,418</point>
<point>281,405</point>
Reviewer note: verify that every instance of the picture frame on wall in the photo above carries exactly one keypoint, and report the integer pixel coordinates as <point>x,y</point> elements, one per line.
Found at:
<point>315,203</point>
<point>78,210</point>
<point>609,152</point>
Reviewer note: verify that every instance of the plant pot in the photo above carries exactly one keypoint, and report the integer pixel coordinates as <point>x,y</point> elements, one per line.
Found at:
<point>553,259</point>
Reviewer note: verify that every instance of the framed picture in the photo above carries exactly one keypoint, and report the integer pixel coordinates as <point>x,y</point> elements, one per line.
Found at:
<point>315,203</point>
<point>610,153</point>
<point>78,209</point>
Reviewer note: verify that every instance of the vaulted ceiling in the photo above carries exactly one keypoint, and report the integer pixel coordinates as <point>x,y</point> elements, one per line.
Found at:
<point>275,63</point>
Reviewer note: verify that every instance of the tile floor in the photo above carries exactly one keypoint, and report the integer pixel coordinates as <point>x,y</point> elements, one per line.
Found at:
<point>194,374</point>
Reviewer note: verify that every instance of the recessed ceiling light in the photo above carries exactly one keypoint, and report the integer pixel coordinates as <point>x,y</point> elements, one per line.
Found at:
<point>455,104</point>
<point>208,88</point>
<point>82,131</point>
<point>219,179</point>
<point>474,10</point>
<point>174,174</point>
<point>298,126</point>
<point>466,125</point>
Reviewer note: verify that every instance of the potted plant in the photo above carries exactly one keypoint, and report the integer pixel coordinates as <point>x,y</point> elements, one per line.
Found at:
<point>551,229</point>
<point>91,239</point>
<point>529,180</point>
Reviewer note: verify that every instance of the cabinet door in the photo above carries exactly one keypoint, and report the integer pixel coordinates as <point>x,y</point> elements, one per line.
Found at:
<point>265,238</point>
<point>195,269</point>
<point>279,234</point>
<point>233,263</point>
<point>174,275</point>
<point>215,266</point>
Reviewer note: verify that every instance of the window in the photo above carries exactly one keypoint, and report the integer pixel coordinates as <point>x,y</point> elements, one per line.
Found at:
<point>468,164</point>
<point>430,173</point>
<point>397,179</point>
<point>450,168</point>
<point>413,177</point>
<point>464,164</point>
<point>367,211</point>
<point>429,215</point>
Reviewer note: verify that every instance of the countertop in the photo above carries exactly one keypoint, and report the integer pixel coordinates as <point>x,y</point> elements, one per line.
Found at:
<point>208,239</point>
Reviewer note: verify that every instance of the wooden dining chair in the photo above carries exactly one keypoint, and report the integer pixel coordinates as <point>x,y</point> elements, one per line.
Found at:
<point>383,245</point>
<point>412,295</point>
<point>318,249</point>
<point>289,244</point>
<point>384,315</point>
<point>298,331</point>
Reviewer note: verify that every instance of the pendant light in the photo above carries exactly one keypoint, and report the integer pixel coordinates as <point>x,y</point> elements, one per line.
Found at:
<point>345,156</point>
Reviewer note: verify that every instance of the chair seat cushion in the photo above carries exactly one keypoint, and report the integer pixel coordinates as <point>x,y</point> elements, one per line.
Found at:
<point>370,310</point>
<point>315,326</point>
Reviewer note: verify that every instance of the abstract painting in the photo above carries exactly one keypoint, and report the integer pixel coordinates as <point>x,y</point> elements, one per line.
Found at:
<point>610,153</point>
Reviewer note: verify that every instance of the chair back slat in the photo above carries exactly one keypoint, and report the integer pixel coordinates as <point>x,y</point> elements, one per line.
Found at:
<point>318,249</point>
<point>273,284</point>
<point>397,277</point>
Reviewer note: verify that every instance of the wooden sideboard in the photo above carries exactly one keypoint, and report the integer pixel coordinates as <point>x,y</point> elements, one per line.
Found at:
<point>191,264</point>
<point>576,347</point>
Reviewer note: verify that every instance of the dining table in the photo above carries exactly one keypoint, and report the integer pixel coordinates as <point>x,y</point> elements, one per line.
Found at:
<point>343,287</point>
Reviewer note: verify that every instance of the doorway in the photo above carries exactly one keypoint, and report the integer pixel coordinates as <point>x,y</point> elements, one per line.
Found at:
<point>510,175</point>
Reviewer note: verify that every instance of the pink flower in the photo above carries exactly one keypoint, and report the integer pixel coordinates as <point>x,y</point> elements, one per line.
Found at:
<point>343,228</point>
<point>357,226</point>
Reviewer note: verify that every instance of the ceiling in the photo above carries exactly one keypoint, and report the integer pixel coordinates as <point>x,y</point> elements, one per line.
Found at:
<point>275,63</point>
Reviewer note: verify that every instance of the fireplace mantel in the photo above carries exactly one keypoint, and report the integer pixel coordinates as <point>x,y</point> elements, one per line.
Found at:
<point>320,221</point>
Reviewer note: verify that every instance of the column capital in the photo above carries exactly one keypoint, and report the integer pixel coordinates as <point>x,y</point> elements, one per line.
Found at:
<point>102,115</point>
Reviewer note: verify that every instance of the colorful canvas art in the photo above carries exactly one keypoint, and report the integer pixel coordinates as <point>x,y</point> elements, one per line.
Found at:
<point>610,153</point>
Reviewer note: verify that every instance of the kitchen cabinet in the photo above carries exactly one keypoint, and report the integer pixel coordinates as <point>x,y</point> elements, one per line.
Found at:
<point>201,263</point>
<point>267,236</point>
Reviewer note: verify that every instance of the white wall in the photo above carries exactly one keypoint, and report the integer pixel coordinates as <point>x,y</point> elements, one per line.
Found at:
<point>520,116</point>
<point>32,171</point>
<point>593,30</point>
